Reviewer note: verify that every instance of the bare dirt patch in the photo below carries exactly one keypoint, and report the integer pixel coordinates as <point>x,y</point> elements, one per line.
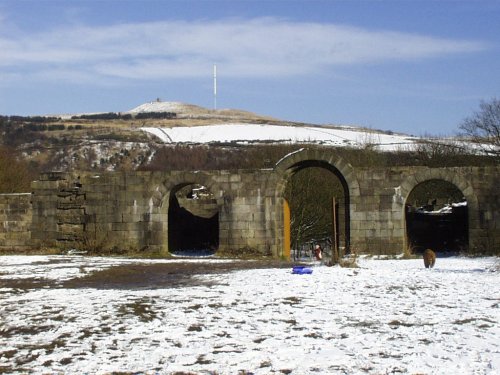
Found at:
<point>164,275</point>
<point>25,284</point>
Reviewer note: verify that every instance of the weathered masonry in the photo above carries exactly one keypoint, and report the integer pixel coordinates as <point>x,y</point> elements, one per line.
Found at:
<point>15,216</point>
<point>137,210</point>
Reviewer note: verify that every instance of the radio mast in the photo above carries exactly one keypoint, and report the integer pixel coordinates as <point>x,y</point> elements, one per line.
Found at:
<point>215,86</point>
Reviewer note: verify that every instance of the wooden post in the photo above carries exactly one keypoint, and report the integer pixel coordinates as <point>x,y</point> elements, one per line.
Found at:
<point>335,250</point>
<point>286,230</point>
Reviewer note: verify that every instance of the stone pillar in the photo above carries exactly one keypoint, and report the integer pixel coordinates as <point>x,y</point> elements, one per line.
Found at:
<point>15,216</point>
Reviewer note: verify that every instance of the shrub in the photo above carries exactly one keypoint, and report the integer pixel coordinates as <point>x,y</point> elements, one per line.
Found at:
<point>15,174</point>
<point>155,115</point>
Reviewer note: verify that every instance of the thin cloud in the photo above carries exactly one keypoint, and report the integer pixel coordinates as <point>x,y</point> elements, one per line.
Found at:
<point>262,47</point>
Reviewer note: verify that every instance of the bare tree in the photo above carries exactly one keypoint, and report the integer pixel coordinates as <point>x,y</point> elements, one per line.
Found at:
<point>309,192</point>
<point>483,127</point>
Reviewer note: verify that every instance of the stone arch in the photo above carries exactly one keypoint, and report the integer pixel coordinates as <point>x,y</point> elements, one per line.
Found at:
<point>162,193</point>
<point>450,175</point>
<point>305,158</point>
<point>286,165</point>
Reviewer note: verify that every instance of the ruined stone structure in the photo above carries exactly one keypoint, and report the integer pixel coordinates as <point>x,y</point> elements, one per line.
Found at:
<point>15,216</point>
<point>133,210</point>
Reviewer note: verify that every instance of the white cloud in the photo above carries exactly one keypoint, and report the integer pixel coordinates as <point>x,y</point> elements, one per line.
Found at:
<point>263,47</point>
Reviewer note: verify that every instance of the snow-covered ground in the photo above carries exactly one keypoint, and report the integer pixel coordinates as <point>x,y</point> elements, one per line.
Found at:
<point>388,316</point>
<point>248,133</point>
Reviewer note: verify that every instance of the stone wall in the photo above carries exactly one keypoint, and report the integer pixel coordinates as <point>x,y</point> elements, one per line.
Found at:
<point>15,216</point>
<point>484,224</point>
<point>130,210</point>
<point>378,213</point>
<point>247,212</point>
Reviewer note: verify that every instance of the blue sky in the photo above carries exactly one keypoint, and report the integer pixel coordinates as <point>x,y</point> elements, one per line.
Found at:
<point>418,67</point>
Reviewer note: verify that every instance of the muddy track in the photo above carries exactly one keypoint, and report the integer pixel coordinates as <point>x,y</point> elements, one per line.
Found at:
<point>164,275</point>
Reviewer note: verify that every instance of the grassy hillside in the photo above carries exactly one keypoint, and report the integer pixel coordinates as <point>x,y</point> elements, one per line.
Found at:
<point>114,141</point>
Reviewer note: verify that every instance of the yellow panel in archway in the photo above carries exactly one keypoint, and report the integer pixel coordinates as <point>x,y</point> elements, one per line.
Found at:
<point>286,229</point>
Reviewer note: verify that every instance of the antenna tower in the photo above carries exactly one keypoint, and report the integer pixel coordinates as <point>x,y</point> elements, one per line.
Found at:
<point>215,86</point>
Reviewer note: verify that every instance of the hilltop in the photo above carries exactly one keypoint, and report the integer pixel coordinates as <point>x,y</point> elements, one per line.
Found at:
<point>191,111</point>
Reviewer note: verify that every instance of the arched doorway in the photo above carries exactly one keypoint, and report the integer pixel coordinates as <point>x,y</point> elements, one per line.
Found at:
<point>318,198</point>
<point>436,216</point>
<point>193,221</point>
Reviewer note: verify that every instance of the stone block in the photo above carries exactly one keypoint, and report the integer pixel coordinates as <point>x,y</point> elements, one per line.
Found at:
<point>130,218</point>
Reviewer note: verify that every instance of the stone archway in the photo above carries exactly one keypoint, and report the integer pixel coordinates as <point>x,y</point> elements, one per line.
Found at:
<point>306,158</point>
<point>450,176</point>
<point>165,204</point>
<point>193,221</point>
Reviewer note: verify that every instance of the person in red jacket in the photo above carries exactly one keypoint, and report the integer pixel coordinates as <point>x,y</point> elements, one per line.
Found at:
<point>318,252</point>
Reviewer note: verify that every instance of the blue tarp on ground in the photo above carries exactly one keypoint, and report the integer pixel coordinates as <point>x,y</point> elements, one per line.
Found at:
<point>301,270</point>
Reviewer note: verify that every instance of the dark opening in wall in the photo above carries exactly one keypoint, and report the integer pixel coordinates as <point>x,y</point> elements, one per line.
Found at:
<point>193,223</point>
<point>441,232</point>
<point>437,219</point>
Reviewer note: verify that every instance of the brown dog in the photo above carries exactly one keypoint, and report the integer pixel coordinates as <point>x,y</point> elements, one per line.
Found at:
<point>429,258</point>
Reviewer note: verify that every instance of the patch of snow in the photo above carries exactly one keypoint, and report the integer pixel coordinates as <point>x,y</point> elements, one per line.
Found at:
<point>289,154</point>
<point>240,132</point>
<point>447,209</point>
<point>159,106</point>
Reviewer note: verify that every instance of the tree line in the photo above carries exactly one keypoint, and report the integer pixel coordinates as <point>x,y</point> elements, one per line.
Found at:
<point>125,116</point>
<point>27,119</point>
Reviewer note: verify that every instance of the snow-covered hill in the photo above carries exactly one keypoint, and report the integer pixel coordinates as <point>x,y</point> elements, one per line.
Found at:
<point>245,129</point>
<point>159,106</point>
<point>244,133</point>
<point>193,124</point>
